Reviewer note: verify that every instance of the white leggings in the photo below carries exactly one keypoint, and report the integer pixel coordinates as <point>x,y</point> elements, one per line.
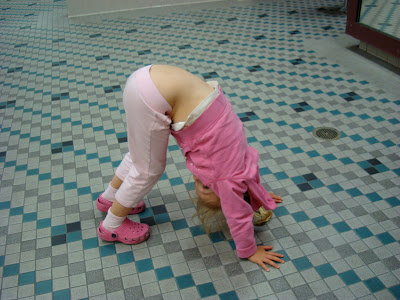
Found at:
<point>148,129</point>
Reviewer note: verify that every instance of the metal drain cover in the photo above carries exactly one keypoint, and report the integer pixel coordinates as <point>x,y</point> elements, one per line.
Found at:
<point>326,133</point>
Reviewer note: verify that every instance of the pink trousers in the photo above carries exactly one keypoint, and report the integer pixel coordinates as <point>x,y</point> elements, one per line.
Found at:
<point>148,129</point>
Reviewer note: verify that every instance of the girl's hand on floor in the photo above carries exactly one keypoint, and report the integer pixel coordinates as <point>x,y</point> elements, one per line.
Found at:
<point>276,198</point>
<point>263,257</point>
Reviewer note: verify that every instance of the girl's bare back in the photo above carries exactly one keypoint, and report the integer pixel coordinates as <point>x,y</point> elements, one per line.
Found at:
<point>182,90</point>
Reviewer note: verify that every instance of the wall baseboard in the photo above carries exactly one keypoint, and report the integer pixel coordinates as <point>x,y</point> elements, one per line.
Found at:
<point>83,8</point>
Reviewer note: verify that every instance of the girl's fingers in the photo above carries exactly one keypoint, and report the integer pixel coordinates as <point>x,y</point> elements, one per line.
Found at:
<point>263,266</point>
<point>276,198</point>
<point>275,254</point>
<point>277,259</point>
<point>271,263</point>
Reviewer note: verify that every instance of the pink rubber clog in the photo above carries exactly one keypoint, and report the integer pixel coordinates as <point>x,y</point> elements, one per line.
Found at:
<point>103,205</point>
<point>129,233</point>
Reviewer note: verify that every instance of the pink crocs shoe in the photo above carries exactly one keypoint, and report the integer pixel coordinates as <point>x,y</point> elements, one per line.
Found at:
<point>129,233</point>
<point>103,205</point>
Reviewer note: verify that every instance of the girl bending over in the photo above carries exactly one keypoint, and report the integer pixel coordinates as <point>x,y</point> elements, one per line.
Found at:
<point>163,100</point>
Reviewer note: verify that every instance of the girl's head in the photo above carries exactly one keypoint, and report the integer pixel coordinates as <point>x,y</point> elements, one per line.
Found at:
<point>206,195</point>
<point>208,208</point>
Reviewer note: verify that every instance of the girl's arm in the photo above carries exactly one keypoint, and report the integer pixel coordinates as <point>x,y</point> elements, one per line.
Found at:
<point>239,216</point>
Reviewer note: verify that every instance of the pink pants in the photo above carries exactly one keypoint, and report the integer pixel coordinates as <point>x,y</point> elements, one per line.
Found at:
<point>148,128</point>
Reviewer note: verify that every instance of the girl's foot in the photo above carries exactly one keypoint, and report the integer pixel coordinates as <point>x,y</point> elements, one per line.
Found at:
<point>103,205</point>
<point>129,233</point>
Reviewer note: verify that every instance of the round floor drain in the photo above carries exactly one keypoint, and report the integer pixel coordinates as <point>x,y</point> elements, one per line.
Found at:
<point>326,133</point>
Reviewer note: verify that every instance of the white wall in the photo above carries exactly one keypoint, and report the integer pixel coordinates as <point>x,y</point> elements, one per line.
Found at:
<point>78,8</point>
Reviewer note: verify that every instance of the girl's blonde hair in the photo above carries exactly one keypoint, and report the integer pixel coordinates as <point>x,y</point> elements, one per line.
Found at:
<point>211,218</point>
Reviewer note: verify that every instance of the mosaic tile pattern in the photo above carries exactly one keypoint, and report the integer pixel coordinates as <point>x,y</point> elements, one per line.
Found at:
<point>62,134</point>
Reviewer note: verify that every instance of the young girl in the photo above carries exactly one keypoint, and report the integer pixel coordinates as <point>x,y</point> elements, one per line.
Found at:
<point>160,100</point>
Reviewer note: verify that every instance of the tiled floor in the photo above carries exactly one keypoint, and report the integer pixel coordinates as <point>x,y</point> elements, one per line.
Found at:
<point>62,134</point>
<point>382,15</point>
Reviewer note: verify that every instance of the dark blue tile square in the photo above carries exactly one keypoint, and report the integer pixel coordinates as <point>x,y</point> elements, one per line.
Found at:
<point>299,180</point>
<point>176,181</point>
<point>374,284</point>
<point>162,218</point>
<point>297,150</point>
<point>179,224</point>
<point>260,37</point>
<point>302,263</point>
<point>346,160</point>
<point>184,281</point>
<point>90,243</point>
<point>354,192</point>
<point>310,177</point>
<point>71,227</point>
<point>107,250</point>
<point>43,223</point>
<point>393,201</point>
<point>304,187</point>
<point>371,171</point>
<point>374,161</point>
<point>335,188</point>
<point>363,232</point>
<point>395,290</point>
<point>217,237</point>
<point>197,230</point>
<point>281,175</point>
<point>374,197</point>
<point>330,157</point>
<point>281,211</point>
<point>229,296</point>
<point>313,153</point>
<point>148,212</point>
<point>159,209</point>
<point>148,220</point>
<point>265,171</point>
<point>11,270</point>
<point>316,184</point>
<point>300,216</point>
<point>26,278</point>
<point>382,168</point>
<point>74,236</point>
<point>349,277</point>
<point>206,290</point>
<point>58,239</point>
<point>320,221</point>
<point>125,258</point>
<point>144,265</point>
<point>16,211</point>
<point>281,147</point>
<point>341,227</point>
<point>62,295</point>
<point>326,270</point>
<point>164,273</point>
<point>70,186</point>
<point>44,287</point>
<point>84,190</point>
<point>386,238</point>
<point>57,230</point>
<point>285,255</point>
